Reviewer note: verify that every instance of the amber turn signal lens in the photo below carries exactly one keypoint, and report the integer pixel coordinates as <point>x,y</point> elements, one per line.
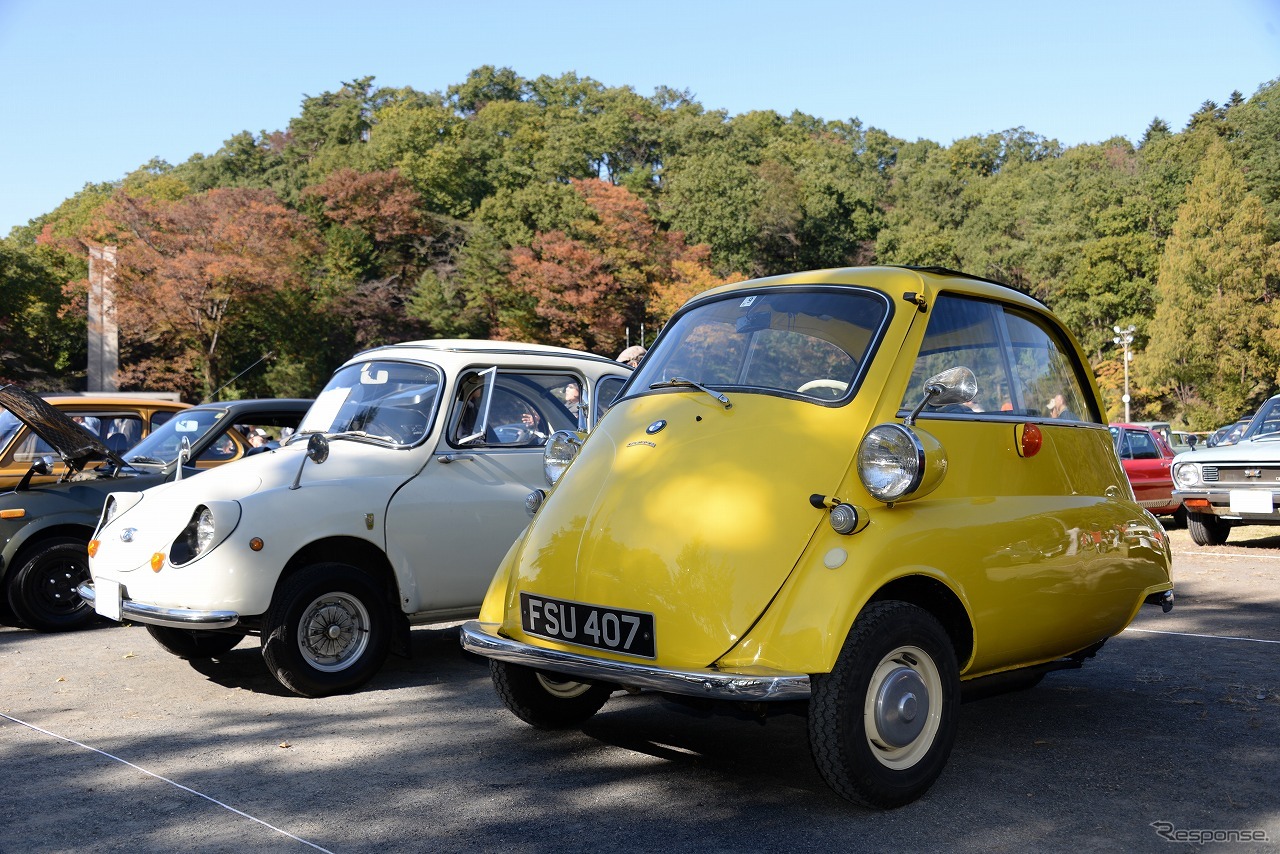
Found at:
<point>17,513</point>
<point>1029,439</point>
<point>93,547</point>
<point>256,544</point>
<point>157,561</point>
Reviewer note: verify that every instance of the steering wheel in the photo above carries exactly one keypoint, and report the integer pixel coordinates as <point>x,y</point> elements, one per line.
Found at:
<point>837,386</point>
<point>513,434</point>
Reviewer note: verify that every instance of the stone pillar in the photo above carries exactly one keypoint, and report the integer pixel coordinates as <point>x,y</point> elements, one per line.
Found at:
<point>104,337</point>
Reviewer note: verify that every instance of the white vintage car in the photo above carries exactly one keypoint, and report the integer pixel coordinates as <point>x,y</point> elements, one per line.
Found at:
<point>394,502</point>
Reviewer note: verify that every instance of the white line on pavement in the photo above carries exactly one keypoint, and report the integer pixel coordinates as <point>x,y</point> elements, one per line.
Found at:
<point>166,780</point>
<point>1193,635</point>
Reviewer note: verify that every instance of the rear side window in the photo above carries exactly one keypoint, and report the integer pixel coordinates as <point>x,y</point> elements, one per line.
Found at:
<point>1023,366</point>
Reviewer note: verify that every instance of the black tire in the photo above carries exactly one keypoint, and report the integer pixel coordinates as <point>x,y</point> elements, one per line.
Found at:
<point>42,591</point>
<point>1180,517</point>
<point>1207,529</point>
<point>546,700</point>
<point>884,759</point>
<point>196,644</point>
<point>328,630</point>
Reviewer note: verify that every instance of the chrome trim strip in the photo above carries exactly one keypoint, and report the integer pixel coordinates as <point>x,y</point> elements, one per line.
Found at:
<point>174,618</point>
<point>483,639</point>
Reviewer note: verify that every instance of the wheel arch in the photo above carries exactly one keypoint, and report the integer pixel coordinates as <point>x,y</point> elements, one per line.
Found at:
<point>32,537</point>
<point>934,596</point>
<point>361,554</point>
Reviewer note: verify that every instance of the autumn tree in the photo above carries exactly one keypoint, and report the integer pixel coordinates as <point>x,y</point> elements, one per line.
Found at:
<point>592,281</point>
<point>189,272</point>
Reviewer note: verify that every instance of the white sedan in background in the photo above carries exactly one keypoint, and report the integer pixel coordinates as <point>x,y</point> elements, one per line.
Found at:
<point>393,504</point>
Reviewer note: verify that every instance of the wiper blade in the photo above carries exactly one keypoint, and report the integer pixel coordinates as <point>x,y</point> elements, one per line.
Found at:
<point>145,461</point>
<point>681,382</point>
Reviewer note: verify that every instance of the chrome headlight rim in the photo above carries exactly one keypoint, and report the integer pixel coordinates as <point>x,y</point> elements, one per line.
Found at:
<point>910,457</point>
<point>209,525</point>
<point>1186,474</point>
<point>561,450</point>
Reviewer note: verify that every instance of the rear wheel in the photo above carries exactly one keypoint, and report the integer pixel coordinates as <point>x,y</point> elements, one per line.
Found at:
<point>1207,529</point>
<point>883,721</point>
<point>328,630</point>
<point>546,700</point>
<point>195,644</point>
<point>42,592</point>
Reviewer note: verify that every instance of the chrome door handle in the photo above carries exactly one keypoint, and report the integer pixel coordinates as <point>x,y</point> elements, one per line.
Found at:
<point>453,458</point>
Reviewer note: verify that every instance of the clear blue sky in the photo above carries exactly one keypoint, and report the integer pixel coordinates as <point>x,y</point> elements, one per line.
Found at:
<point>92,90</point>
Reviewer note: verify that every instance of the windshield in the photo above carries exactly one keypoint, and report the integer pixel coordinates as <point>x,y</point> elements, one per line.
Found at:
<point>8,428</point>
<point>387,401</point>
<point>1265,422</point>
<point>162,445</point>
<point>808,344</point>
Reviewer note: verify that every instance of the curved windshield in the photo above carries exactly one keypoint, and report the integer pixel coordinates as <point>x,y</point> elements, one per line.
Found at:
<point>803,343</point>
<point>387,401</point>
<point>162,445</point>
<point>8,428</point>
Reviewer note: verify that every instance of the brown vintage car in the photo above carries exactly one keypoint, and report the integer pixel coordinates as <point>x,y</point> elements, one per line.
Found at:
<point>120,422</point>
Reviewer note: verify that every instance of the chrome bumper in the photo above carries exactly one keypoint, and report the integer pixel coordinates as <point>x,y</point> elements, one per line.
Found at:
<point>483,639</point>
<point>174,618</point>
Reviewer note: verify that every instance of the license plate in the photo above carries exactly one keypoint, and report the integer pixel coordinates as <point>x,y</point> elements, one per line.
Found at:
<point>106,598</point>
<point>1250,501</point>
<point>628,632</point>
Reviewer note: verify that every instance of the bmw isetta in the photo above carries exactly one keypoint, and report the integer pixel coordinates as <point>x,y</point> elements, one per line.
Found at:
<point>843,487</point>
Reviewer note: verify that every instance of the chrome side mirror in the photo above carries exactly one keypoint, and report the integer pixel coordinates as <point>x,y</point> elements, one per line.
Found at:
<point>184,455</point>
<point>952,386</point>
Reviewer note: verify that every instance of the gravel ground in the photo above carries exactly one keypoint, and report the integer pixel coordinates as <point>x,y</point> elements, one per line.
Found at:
<point>107,743</point>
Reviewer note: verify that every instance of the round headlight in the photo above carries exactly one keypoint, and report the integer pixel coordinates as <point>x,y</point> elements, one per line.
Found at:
<point>1186,474</point>
<point>890,462</point>
<point>109,512</point>
<point>562,449</point>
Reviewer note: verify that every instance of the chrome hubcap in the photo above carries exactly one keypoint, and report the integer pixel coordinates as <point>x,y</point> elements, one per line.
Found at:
<point>333,632</point>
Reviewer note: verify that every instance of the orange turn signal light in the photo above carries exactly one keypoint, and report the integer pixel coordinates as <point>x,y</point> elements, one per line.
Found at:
<point>16,513</point>
<point>157,561</point>
<point>1029,439</point>
<point>93,547</point>
<point>256,544</point>
<point>1198,503</point>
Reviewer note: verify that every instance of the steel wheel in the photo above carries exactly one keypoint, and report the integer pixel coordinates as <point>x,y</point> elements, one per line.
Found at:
<point>42,592</point>
<point>903,709</point>
<point>333,632</point>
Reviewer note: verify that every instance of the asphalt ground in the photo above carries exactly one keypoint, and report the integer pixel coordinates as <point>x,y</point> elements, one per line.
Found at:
<point>1168,741</point>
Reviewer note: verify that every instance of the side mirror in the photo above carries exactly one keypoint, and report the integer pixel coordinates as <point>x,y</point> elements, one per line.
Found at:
<point>952,386</point>
<point>317,452</point>
<point>42,466</point>
<point>184,454</point>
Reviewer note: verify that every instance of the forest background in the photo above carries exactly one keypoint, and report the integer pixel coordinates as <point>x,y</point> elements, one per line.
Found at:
<point>562,211</point>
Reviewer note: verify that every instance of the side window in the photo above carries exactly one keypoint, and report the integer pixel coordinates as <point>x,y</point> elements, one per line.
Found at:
<point>964,332</point>
<point>1022,367</point>
<point>1046,373</point>
<point>1140,446</point>
<point>160,417</point>
<point>607,389</point>
<point>523,410</point>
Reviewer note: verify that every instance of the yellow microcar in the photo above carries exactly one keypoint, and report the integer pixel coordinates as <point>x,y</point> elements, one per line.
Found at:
<point>864,488</point>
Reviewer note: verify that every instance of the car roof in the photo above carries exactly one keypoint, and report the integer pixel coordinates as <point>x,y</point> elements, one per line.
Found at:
<point>262,404</point>
<point>468,346</point>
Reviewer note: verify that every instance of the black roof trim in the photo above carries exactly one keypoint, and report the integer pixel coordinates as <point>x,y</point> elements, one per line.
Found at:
<point>947,271</point>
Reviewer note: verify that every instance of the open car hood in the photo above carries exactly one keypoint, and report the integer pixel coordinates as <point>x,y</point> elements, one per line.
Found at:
<point>77,446</point>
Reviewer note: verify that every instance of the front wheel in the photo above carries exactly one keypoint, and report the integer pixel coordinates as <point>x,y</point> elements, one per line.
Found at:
<point>1207,529</point>
<point>883,721</point>
<point>328,630</point>
<point>545,700</point>
<point>42,592</point>
<point>195,644</point>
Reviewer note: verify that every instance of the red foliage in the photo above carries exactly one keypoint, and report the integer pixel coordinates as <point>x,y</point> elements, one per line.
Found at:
<point>384,205</point>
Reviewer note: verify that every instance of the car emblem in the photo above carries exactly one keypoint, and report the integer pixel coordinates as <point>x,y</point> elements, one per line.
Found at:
<point>655,427</point>
<point>126,536</point>
<point>1253,472</point>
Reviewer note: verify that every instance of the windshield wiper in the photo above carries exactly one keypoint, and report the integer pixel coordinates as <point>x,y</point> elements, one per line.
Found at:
<point>145,461</point>
<point>681,382</point>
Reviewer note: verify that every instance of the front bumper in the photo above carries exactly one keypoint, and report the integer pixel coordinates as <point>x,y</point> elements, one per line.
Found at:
<point>483,639</point>
<point>174,618</point>
<point>1220,502</point>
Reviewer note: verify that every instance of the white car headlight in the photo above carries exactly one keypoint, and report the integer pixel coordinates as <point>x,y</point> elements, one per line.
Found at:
<point>195,539</point>
<point>109,512</point>
<point>899,463</point>
<point>1186,474</point>
<point>562,449</point>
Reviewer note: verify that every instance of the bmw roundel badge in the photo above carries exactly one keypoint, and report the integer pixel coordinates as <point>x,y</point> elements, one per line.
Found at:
<point>655,427</point>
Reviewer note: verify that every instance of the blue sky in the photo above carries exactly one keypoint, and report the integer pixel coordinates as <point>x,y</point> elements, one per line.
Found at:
<point>92,90</point>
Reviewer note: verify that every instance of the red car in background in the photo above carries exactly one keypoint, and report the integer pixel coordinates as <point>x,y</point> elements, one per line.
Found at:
<point>1148,459</point>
